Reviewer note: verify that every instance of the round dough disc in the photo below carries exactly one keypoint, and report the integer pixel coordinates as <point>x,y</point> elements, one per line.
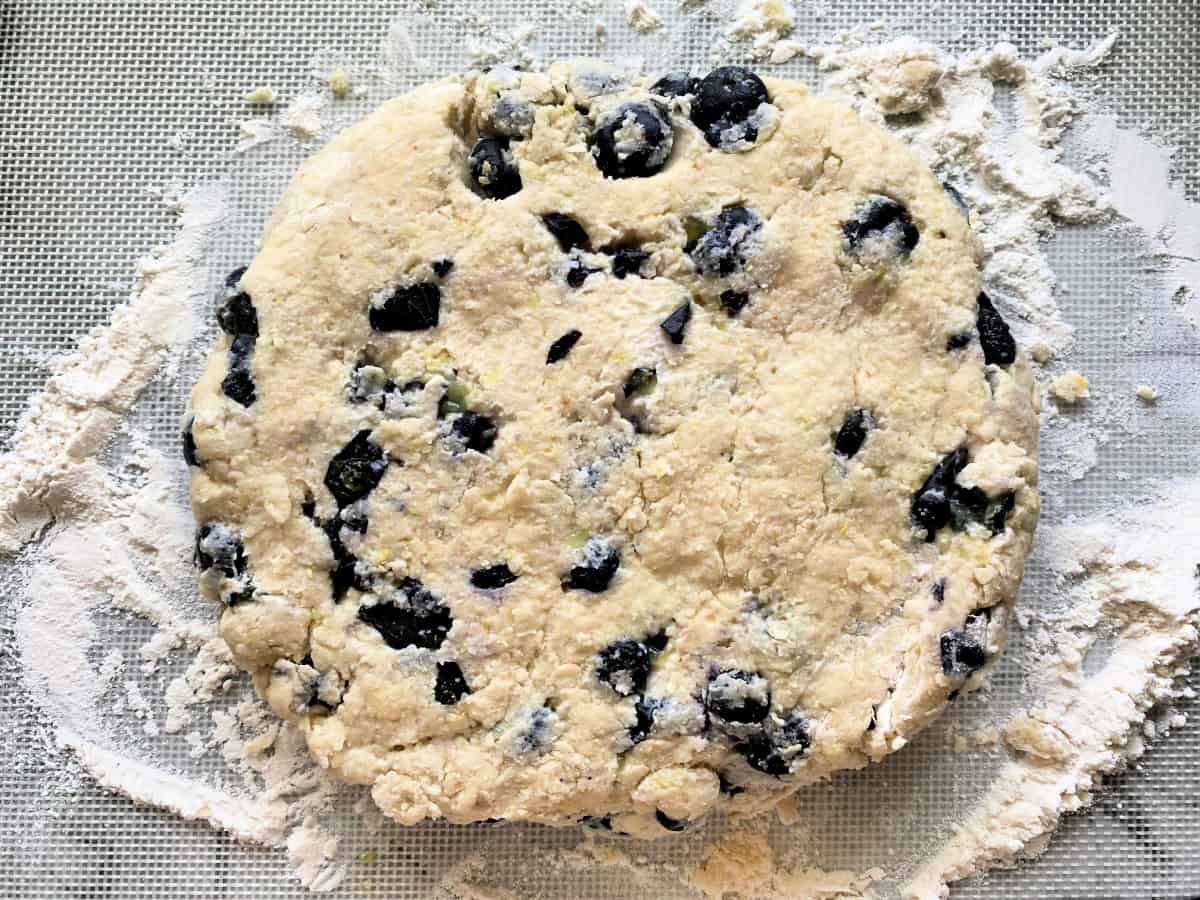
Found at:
<point>581,450</point>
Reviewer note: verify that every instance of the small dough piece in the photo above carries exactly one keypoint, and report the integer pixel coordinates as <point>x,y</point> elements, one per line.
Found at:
<point>340,83</point>
<point>1069,387</point>
<point>576,451</point>
<point>1147,394</point>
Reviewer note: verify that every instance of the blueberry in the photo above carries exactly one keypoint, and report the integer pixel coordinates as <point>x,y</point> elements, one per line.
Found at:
<point>724,247</point>
<point>308,506</point>
<point>595,573</point>
<point>639,381</point>
<point>676,323</point>
<point>348,571</point>
<point>957,199</point>
<point>413,307</point>
<point>999,348</point>
<point>356,469</point>
<point>725,104</point>
<point>476,431</point>
<point>423,620</point>
<point>599,823</point>
<point>234,278</point>
<point>578,272</point>
<point>632,141</point>
<point>189,444</point>
<point>644,709</point>
<point>238,384</point>
<point>561,347</point>
<point>450,686</point>
<point>997,515</point>
<point>880,219</point>
<point>219,547</point>
<point>772,752</point>
<point>628,261</point>
<point>675,84</point>
<point>491,578</point>
<point>237,316</point>
<point>850,437</point>
<point>625,665</point>
<point>493,169</point>
<point>537,733</point>
<point>959,340</point>
<point>442,267</point>
<point>354,517</point>
<point>727,787</point>
<point>961,653</point>
<point>736,696</point>
<point>733,302</point>
<point>931,507</point>
<point>668,823</point>
<point>569,233</point>
<point>938,589</point>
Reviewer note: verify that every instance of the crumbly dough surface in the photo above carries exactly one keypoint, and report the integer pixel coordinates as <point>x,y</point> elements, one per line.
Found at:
<point>651,576</point>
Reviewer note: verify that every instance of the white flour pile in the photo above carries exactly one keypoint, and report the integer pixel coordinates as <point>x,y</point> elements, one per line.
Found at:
<point>115,532</point>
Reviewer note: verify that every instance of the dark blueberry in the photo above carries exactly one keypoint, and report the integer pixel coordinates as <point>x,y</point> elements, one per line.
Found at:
<point>967,505</point>
<point>356,469</point>
<point>413,307</point>
<point>219,547</point>
<point>724,247</point>
<point>931,507</point>
<point>595,573</point>
<point>959,340</point>
<point>308,507</point>
<point>625,665</point>
<point>237,316</point>
<point>561,347</point>
<point>232,279</point>
<point>442,267</point>
<point>476,431</point>
<point>354,517</point>
<point>999,348</point>
<point>668,823</point>
<point>956,198</point>
<point>450,686</point>
<point>634,140</point>
<point>997,516</point>
<point>850,437</point>
<point>727,787</point>
<point>493,169</point>
<point>578,272</point>
<point>600,823</point>
<point>238,384</point>
<point>725,103</point>
<point>675,84</point>
<point>348,571</point>
<point>491,578</point>
<point>760,752</point>
<point>189,445</point>
<point>881,216</point>
<point>961,653</point>
<point>640,381</point>
<point>733,302</point>
<point>676,323</point>
<point>733,695</point>
<point>773,754</point>
<point>628,261</point>
<point>644,710</point>
<point>535,735</point>
<point>423,620</point>
<point>938,589</point>
<point>569,233</point>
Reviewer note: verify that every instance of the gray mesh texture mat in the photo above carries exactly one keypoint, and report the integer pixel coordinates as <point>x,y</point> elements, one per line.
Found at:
<point>102,101</point>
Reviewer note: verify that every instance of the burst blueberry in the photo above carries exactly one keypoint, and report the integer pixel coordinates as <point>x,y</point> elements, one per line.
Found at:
<point>412,307</point>
<point>726,105</point>
<point>633,141</point>
<point>356,469</point>
<point>493,169</point>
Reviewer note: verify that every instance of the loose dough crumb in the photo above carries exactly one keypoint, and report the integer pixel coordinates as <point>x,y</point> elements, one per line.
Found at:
<point>1041,353</point>
<point>261,95</point>
<point>1069,387</point>
<point>642,18</point>
<point>340,83</point>
<point>1147,394</point>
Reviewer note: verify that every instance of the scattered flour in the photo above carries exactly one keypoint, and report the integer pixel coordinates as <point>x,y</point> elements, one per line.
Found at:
<point>762,23</point>
<point>302,118</point>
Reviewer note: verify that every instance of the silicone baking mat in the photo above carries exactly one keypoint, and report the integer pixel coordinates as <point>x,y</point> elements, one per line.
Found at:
<point>102,101</point>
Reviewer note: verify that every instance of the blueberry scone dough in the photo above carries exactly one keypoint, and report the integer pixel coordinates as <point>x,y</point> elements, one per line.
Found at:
<point>578,449</point>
